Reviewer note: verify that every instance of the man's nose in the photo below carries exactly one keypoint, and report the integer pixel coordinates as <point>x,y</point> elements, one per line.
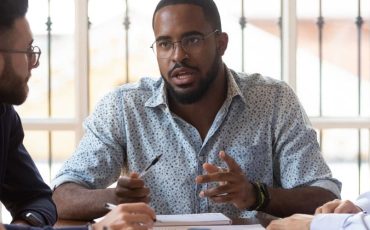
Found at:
<point>178,52</point>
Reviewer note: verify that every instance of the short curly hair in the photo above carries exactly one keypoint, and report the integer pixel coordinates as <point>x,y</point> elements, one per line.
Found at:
<point>209,9</point>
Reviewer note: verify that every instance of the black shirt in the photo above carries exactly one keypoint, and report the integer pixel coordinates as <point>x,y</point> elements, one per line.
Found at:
<point>22,189</point>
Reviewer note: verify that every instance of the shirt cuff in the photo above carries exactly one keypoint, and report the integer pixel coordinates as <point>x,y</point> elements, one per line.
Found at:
<point>66,179</point>
<point>328,185</point>
<point>329,221</point>
<point>363,201</point>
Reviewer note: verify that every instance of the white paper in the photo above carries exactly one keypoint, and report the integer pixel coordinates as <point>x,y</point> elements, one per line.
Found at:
<point>219,227</point>
<point>192,219</point>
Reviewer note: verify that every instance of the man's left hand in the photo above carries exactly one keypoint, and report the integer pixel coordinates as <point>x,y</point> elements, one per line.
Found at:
<point>233,186</point>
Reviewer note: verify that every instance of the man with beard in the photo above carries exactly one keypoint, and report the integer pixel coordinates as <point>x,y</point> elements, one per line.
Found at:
<point>22,189</point>
<point>230,142</point>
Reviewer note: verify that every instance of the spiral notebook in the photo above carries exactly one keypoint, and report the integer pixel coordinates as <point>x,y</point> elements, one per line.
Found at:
<point>201,219</point>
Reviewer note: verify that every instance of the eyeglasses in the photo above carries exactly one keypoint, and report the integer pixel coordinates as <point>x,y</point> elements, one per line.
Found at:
<point>33,54</point>
<point>192,44</point>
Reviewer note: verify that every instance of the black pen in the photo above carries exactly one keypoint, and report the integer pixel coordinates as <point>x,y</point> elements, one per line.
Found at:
<point>150,165</point>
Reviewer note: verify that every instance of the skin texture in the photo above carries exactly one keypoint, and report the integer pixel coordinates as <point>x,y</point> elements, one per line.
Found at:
<point>15,69</point>
<point>294,222</point>
<point>138,216</point>
<point>185,74</point>
<point>301,221</point>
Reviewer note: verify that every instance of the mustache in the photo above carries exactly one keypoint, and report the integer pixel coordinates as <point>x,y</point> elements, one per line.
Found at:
<point>180,65</point>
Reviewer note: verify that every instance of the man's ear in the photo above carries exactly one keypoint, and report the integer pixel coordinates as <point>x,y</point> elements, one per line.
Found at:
<point>223,40</point>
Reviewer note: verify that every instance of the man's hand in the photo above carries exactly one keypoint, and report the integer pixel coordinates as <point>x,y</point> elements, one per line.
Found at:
<point>233,186</point>
<point>338,206</point>
<point>127,216</point>
<point>131,189</point>
<point>294,222</point>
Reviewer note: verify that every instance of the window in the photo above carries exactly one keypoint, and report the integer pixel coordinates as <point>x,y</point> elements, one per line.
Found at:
<point>82,62</point>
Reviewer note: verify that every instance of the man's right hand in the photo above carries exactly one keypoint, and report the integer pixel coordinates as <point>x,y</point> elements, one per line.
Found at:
<point>338,206</point>
<point>131,189</point>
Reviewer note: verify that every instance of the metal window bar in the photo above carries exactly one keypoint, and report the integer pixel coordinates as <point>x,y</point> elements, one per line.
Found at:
<point>320,27</point>
<point>243,23</point>
<point>49,40</point>
<point>126,23</point>
<point>359,22</point>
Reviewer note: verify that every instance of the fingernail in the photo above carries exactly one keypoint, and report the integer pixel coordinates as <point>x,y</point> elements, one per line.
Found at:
<point>201,194</point>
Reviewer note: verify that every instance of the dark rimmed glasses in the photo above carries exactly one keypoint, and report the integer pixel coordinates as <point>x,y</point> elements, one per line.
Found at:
<point>33,54</point>
<point>191,44</point>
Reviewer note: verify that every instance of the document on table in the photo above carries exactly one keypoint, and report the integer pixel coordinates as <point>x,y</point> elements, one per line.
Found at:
<point>200,219</point>
<point>218,227</point>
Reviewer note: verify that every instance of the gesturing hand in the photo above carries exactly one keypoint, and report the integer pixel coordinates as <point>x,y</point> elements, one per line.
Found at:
<point>233,186</point>
<point>131,189</point>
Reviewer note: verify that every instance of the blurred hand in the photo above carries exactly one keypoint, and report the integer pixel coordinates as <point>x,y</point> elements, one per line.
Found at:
<point>338,206</point>
<point>294,222</point>
<point>131,189</point>
<point>127,216</point>
<point>233,186</point>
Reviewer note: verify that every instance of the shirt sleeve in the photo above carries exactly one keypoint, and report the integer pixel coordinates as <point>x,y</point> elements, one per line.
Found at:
<point>23,227</point>
<point>297,157</point>
<point>23,189</point>
<point>363,201</point>
<point>359,221</point>
<point>99,158</point>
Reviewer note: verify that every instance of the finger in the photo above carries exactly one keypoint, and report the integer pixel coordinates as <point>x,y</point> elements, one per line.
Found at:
<point>346,207</point>
<point>223,198</point>
<point>217,191</point>
<point>129,182</point>
<point>330,206</point>
<point>231,163</point>
<point>134,200</point>
<point>230,177</point>
<point>132,193</point>
<point>138,208</point>
<point>210,168</point>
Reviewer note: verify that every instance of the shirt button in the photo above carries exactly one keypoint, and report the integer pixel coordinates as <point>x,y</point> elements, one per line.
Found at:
<point>201,158</point>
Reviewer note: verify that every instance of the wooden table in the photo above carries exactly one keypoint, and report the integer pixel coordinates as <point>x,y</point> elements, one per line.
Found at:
<point>261,218</point>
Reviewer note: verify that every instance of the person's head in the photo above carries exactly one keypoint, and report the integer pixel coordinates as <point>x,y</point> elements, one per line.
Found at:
<point>189,47</point>
<point>17,55</point>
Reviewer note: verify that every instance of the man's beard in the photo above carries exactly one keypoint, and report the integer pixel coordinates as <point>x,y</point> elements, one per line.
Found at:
<point>198,93</point>
<point>13,87</point>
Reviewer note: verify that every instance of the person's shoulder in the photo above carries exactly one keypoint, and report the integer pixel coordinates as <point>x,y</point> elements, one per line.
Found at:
<point>145,86</point>
<point>257,79</point>
<point>7,111</point>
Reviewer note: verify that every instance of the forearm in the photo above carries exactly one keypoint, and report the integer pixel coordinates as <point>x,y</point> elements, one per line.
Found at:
<point>74,201</point>
<point>285,202</point>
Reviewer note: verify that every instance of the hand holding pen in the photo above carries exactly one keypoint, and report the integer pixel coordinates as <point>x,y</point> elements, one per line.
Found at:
<point>132,189</point>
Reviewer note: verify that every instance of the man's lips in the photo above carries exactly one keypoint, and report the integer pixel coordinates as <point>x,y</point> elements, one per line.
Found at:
<point>182,76</point>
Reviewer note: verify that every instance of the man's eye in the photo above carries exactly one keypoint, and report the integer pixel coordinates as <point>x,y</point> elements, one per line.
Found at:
<point>192,40</point>
<point>164,44</point>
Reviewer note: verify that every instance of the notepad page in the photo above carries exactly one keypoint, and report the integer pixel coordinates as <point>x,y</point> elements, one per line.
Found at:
<point>218,227</point>
<point>192,219</point>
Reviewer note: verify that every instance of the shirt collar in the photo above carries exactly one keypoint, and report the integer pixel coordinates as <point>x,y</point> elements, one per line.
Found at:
<point>160,93</point>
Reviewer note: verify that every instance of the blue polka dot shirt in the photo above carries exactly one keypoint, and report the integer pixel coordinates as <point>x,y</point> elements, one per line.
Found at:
<point>261,125</point>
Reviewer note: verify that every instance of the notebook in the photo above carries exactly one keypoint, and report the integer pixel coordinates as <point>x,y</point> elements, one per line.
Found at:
<point>201,219</point>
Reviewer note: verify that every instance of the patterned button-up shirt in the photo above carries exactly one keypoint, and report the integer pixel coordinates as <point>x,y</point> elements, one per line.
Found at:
<point>261,125</point>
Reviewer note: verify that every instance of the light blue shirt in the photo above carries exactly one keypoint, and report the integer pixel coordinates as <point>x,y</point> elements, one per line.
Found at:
<point>261,125</point>
<point>359,221</point>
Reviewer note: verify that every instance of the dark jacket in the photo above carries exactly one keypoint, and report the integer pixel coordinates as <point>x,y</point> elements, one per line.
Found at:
<point>22,189</point>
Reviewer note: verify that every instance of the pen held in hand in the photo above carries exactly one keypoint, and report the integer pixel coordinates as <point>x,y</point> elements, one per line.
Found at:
<point>109,206</point>
<point>150,165</point>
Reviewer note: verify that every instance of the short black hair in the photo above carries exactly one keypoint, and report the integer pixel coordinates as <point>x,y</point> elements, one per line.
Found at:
<point>10,10</point>
<point>209,9</point>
